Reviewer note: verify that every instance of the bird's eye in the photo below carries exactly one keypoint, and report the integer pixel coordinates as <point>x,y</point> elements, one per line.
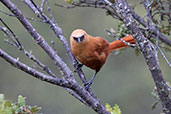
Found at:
<point>75,38</point>
<point>82,38</point>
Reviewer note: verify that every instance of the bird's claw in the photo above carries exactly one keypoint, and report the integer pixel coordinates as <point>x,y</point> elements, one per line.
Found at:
<point>78,67</point>
<point>87,85</point>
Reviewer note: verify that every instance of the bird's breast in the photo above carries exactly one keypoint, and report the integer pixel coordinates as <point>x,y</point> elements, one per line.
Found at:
<point>92,54</point>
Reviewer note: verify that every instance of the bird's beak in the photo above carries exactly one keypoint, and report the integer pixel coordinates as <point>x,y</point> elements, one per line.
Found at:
<point>79,39</point>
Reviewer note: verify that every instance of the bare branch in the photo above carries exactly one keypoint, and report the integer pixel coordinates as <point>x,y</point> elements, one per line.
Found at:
<point>14,38</point>
<point>16,63</point>
<point>12,15</point>
<point>18,45</point>
<point>147,6</point>
<point>94,4</point>
<point>163,55</point>
<point>42,5</point>
<point>154,31</point>
<point>53,80</point>
<point>10,43</point>
<point>38,38</point>
<point>70,91</point>
<point>53,20</point>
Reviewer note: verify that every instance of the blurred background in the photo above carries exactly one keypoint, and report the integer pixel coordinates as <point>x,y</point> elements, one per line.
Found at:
<point>124,79</point>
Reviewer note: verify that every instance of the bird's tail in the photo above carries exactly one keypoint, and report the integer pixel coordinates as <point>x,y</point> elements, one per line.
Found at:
<point>118,44</point>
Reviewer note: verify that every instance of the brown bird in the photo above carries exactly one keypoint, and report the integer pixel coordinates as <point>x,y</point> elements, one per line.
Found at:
<point>93,51</point>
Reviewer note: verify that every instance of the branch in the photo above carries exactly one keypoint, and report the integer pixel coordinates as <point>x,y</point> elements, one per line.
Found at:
<point>42,5</point>
<point>32,57</point>
<point>146,48</point>
<point>94,4</point>
<point>38,38</point>
<point>42,66</point>
<point>16,43</point>
<point>154,31</point>
<point>12,15</point>
<point>16,63</point>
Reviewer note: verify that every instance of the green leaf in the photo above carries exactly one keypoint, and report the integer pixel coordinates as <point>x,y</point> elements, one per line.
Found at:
<point>8,111</point>
<point>114,110</point>
<point>7,107</point>
<point>21,100</point>
<point>108,107</point>
<point>117,52</point>
<point>155,104</point>
<point>69,1</point>
<point>7,104</point>
<point>137,51</point>
<point>1,98</point>
<point>35,109</point>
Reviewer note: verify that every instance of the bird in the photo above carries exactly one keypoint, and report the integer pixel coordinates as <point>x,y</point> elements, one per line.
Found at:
<point>93,51</point>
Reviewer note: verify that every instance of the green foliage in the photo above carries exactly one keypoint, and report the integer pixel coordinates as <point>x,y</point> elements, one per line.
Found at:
<point>137,51</point>
<point>7,107</point>
<point>169,83</point>
<point>114,110</point>
<point>69,1</point>
<point>161,8</point>
<point>155,95</point>
<point>165,47</point>
<point>122,30</point>
<point>117,52</point>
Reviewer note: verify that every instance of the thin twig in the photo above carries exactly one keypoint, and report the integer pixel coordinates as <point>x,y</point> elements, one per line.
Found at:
<point>157,42</point>
<point>148,14</point>
<point>52,40</point>
<point>53,20</point>
<point>14,38</point>
<point>95,4</point>
<point>153,30</point>
<point>18,45</point>
<point>42,5</point>
<point>163,55</point>
<point>16,63</point>
<point>29,18</point>
<point>10,43</point>
<point>3,29</point>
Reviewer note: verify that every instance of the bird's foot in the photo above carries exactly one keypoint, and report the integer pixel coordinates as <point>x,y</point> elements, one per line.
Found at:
<point>87,84</point>
<point>78,67</point>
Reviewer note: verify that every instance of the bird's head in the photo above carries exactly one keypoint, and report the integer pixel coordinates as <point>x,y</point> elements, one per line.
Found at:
<point>79,36</point>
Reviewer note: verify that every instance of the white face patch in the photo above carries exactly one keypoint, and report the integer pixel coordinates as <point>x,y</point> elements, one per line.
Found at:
<point>77,35</point>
